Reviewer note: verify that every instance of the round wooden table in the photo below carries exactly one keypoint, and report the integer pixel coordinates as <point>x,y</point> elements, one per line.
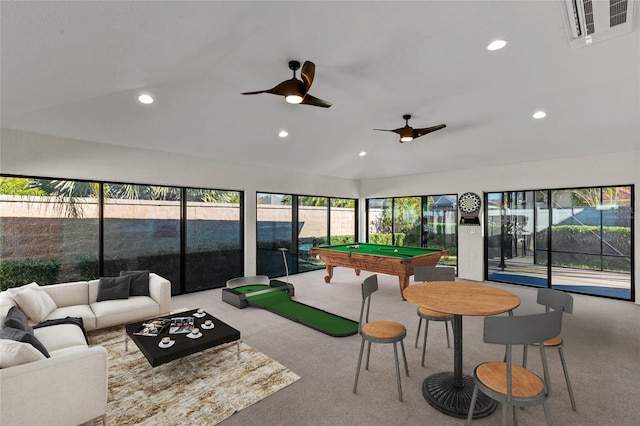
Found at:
<point>450,392</point>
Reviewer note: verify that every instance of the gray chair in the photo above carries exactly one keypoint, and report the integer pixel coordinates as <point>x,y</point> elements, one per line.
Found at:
<point>379,331</point>
<point>558,301</point>
<point>430,273</point>
<point>512,384</point>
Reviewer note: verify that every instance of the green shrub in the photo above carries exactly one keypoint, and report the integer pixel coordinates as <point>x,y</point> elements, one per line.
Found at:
<point>87,267</point>
<point>16,273</point>
<point>386,239</point>
<point>342,239</point>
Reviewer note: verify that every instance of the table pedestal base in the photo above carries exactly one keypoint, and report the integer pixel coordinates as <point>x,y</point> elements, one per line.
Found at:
<point>440,392</point>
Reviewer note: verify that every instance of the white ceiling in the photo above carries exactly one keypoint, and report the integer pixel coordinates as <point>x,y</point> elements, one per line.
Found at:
<point>74,69</point>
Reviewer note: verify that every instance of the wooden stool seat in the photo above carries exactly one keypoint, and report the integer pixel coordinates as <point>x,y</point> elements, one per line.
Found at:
<point>433,314</point>
<point>384,329</point>
<point>525,383</point>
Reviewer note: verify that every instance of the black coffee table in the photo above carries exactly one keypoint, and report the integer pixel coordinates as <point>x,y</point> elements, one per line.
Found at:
<point>220,334</point>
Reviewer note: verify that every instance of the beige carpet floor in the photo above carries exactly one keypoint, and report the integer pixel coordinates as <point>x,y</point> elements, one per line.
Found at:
<point>202,389</point>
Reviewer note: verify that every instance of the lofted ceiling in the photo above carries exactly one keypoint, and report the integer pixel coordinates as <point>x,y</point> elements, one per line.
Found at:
<point>75,69</point>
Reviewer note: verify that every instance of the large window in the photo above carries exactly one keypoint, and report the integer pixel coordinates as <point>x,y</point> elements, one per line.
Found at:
<point>60,230</point>
<point>440,225</point>
<point>577,239</point>
<point>213,248</point>
<point>142,230</point>
<point>343,222</point>
<point>288,226</point>
<point>49,231</point>
<point>428,221</point>
<point>313,220</point>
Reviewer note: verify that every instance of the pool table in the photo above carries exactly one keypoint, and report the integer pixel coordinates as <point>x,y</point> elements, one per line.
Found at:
<point>391,260</point>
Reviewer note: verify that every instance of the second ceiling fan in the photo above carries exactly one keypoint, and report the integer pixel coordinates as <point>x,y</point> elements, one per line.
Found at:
<point>408,133</point>
<point>294,90</point>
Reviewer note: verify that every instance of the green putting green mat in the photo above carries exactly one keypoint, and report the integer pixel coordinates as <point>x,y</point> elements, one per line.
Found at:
<point>279,302</point>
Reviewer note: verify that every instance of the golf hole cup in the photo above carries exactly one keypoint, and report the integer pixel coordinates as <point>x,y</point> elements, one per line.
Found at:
<point>166,340</point>
<point>208,323</point>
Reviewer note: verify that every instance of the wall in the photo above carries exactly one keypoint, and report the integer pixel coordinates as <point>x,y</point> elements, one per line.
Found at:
<point>611,169</point>
<point>24,153</point>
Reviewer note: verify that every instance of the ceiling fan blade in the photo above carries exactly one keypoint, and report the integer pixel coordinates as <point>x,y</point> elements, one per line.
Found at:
<point>307,73</point>
<point>421,132</point>
<point>254,93</point>
<point>312,100</point>
<point>287,87</point>
<point>389,130</point>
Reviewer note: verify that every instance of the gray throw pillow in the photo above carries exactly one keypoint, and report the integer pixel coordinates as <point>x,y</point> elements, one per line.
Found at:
<point>113,288</point>
<point>17,319</point>
<point>139,282</point>
<point>24,337</point>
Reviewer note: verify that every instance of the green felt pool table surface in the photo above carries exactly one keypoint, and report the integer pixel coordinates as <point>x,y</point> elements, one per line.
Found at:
<point>382,249</point>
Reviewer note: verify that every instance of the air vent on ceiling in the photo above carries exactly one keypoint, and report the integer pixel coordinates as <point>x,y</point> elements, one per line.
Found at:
<point>591,21</point>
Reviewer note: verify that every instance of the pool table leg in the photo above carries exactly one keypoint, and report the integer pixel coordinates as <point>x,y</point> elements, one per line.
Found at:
<point>329,274</point>
<point>404,283</point>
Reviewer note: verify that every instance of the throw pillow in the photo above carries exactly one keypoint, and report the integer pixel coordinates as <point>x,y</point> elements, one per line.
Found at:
<point>11,333</point>
<point>16,319</point>
<point>35,302</point>
<point>112,288</point>
<point>16,353</point>
<point>139,282</point>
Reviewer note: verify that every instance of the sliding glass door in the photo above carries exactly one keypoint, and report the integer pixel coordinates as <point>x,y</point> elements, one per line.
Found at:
<point>577,239</point>
<point>591,241</point>
<point>296,223</point>
<point>516,252</point>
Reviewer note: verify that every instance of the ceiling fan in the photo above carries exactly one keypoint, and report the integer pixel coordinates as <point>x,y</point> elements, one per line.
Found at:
<point>294,90</point>
<point>408,133</point>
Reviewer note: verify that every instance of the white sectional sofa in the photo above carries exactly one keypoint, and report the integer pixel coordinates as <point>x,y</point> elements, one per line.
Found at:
<point>70,386</point>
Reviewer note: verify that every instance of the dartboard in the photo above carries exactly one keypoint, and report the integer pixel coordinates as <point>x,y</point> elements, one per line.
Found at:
<point>469,203</point>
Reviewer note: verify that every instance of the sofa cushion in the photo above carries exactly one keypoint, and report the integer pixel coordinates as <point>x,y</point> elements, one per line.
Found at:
<point>60,336</point>
<point>34,302</point>
<point>16,318</point>
<point>116,312</point>
<point>77,311</point>
<point>69,294</point>
<point>139,282</point>
<point>14,353</point>
<point>113,288</point>
<point>11,333</point>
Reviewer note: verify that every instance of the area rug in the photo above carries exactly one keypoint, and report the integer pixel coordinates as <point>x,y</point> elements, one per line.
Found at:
<point>202,389</point>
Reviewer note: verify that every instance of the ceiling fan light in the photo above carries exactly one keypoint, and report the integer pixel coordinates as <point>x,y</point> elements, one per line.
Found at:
<point>293,99</point>
<point>145,98</point>
<point>406,138</point>
<point>497,45</point>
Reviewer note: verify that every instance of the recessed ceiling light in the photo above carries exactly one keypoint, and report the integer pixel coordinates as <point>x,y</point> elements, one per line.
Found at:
<point>362,153</point>
<point>145,98</point>
<point>497,45</point>
<point>283,133</point>
<point>539,114</point>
